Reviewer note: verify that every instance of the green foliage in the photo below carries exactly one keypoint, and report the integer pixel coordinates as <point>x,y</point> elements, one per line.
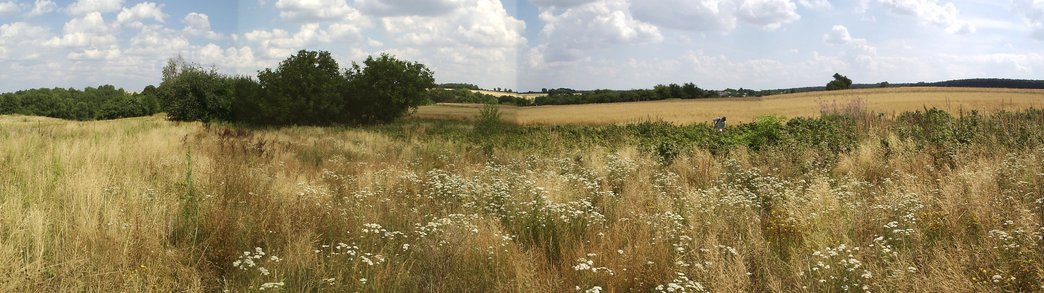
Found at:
<point>439,95</point>
<point>103,102</point>
<point>386,88</point>
<point>831,133</point>
<point>193,93</point>
<point>463,86</point>
<point>764,132</point>
<point>512,100</point>
<point>840,82</point>
<point>306,89</point>
<point>659,92</point>
<point>489,122</point>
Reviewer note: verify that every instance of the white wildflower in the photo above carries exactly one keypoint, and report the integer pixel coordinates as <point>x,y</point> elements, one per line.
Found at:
<point>272,285</point>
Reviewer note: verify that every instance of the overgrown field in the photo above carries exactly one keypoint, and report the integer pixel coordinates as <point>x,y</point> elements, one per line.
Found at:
<point>851,201</point>
<point>883,100</point>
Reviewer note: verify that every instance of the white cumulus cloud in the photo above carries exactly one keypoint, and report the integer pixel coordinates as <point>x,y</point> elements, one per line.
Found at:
<point>1032,12</point>
<point>481,23</point>
<point>315,10</point>
<point>839,35</point>
<point>932,12</point>
<point>87,31</point>
<point>816,4</point>
<point>41,7</point>
<point>559,3</point>
<point>141,11</point>
<point>715,15</point>
<point>569,32</point>
<point>697,15</point>
<point>95,54</point>
<point>9,7</point>
<point>198,24</point>
<point>767,14</point>
<point>239,60</point>
<point>279,44</point>
<point>20,40</point>
<point>81,7</point>
<point>464,40</point>
<point>408,7</point>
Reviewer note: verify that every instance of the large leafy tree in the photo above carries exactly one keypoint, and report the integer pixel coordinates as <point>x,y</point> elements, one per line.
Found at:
<point>306,88</point>
<point>387,88</point>
<point>840,82</point>
<point>196,94</point>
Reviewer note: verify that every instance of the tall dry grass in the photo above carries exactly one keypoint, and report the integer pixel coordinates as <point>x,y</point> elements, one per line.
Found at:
<point>149,205</point>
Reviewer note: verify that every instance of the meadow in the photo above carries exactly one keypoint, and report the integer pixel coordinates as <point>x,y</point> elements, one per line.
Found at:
<point>882,100</point>
<point>847,200</point>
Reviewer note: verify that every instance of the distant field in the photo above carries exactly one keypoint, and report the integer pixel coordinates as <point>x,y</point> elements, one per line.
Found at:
<point>531,96</point>
<point>887,100</point>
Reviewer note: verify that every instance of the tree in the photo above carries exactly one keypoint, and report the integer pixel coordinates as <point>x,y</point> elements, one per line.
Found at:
<point>190,92</point>
<point>306,88</point>
<point>691,91</point>
<point>150,96</point>
<point>840,82</point>
<point>386,88</point>
<point>676,91</point>
<point>196,94</point>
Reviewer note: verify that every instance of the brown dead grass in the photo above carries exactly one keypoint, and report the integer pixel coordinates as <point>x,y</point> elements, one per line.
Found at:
<point>888,101</point>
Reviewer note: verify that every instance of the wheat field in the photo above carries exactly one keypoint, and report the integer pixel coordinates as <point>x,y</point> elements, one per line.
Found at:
<point>884,100</point>
<point>143,204</point>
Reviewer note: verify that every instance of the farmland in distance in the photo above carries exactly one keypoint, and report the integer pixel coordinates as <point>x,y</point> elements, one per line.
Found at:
<point>886,100</point>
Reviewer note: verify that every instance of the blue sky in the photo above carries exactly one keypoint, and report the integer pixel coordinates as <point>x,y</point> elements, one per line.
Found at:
<point>532,44</point>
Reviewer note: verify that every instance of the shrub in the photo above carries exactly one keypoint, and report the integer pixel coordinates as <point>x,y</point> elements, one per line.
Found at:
<point>489,122</point>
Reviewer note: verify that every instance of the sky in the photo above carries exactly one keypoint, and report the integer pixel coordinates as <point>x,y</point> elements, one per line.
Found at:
<point>531,44</point>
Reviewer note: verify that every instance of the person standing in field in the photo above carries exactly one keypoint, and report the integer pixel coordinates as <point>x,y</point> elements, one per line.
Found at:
<point>719,123</point>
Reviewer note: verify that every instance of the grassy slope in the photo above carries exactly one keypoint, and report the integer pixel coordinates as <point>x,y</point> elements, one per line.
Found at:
<point>148,205</point>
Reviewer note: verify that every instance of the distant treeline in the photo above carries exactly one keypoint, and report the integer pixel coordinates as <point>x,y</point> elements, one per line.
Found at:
<point>972,83</point>
<point>103,102</point>
<point>461,93</point>
<point>467,96</point>
<point>987,83</point>
<point>464,86</point>
<point>565,96</point>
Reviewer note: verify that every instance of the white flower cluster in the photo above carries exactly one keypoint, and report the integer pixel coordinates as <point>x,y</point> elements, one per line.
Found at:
<point>271,285</point>
<point>254,259</point>
<point>586,264</point>
<point>376,229</point>
<point>681,283</point>
<point>839,268</point>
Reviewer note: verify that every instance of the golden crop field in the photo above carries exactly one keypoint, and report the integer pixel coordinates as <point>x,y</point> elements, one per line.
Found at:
<point>886,100</point>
